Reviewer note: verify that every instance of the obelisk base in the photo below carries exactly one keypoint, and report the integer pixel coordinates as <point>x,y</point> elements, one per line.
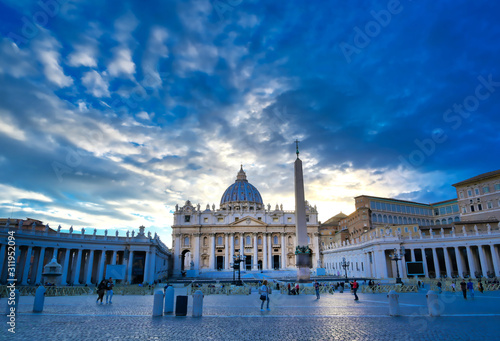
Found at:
<point>303,262</point>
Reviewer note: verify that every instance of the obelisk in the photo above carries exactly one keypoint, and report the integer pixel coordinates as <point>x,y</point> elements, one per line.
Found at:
<point>302,251</point>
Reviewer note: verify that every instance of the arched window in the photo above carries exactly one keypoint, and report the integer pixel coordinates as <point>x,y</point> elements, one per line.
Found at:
<point>374,217</point>
<point>390,219</point>
<point>437,222</point>
<point>443,221</point>
<point>405,220</point>
<point>275,240</point>
<point>457,218</point>
<point>450,220</point>
<point>186,241</point>
<point>385,218</point>
<point>379,218</point>
<point>248,241</point>
<point>400,221</point>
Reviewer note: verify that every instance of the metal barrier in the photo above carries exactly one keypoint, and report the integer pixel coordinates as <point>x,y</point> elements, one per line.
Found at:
<point>50,291</point>
<point>377,289</point>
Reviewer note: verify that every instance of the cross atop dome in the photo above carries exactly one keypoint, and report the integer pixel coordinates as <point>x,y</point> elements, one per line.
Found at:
<point>242,176</point>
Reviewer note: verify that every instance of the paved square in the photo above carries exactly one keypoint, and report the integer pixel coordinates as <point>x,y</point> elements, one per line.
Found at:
<point>333,317</point>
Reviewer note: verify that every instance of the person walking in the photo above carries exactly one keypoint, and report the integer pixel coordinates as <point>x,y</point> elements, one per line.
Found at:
<point>316,288</point>
<point>264,295</point>
<point>297,288</point>
<point>289,289</point>
<point>109,290</point>
<point>480,287</point>
<point>101,288</point>
<point>355,287</point>
<point>453,286</point>
<point>463,287</point>
<point>470,287</point>
<point>439,285</point>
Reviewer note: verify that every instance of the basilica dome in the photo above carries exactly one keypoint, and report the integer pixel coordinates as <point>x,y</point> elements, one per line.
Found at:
<point>241,194</point>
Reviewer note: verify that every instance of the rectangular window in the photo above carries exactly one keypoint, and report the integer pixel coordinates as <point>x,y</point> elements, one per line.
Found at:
<point>275,219</point>
<point>205,220</point>
<point>448,209</point>
<point>307,218</point>
<point>486,189</point>
<point>442,211</point>
<point>406,229</point>
<point>472,208</point>
<point>289,219</point>
<point>469,193</point>
<point>455,208</point>
<point>490,205</point>
<point>464,210</point>
<point>220,220</point>
<point>415,228</point>
<point>497,187</point>
<point>479,207</point>
<point>476,191</point>
<point>461,195</point>
<point>187,218</point>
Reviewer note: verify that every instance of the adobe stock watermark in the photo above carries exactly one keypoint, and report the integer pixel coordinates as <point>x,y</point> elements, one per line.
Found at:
<point>454,116</point>
<point>29,24</point>
<point>223,6</point>
<point>363,36</point>
<point>12,298</point>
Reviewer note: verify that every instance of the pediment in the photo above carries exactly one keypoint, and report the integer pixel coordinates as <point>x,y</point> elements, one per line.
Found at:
<point>247,221</point>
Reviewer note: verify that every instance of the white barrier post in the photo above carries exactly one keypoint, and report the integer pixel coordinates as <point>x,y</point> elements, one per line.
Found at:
<point>158,303</point>
<point>393,303</point>
<point>39,299</point>
<point>169,300</point>
<point>197,304</point>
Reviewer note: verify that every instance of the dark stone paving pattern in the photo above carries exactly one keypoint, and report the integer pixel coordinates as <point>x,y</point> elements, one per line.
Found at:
<point>335,317</point>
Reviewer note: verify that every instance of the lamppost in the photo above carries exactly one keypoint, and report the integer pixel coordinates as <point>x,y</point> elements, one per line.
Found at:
<point>345,265</point>
<point>396,256</point>
<point>236,265</point>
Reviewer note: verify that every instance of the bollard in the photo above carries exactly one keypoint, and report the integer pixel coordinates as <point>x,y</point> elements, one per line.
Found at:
<point>39,299</point>
<point>169,300</point>
<point>433,303</point>
<point>158,303</point>
<point>197,304</point>
<point>393,303</point>
<point>14,306</point>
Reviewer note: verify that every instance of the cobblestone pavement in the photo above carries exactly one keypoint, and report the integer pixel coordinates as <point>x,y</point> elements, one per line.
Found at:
<point>333,317</point>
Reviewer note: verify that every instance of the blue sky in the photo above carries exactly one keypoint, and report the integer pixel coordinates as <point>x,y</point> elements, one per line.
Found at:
<point>111,113</point>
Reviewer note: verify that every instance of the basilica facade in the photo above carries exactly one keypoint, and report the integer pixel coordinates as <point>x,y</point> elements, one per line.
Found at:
<point>264,238</point>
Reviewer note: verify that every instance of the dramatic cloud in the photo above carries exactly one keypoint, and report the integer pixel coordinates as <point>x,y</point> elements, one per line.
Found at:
<point>110,115</point>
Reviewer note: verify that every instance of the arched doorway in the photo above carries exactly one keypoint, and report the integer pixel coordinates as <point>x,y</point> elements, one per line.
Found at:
<point>185,260</point>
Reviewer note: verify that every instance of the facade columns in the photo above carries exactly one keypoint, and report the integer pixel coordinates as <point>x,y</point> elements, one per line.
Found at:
<point>177,254</point>
<point>102,261</point>
<point>264,251</point>
<point>482,260</point>
<point>494,256</point>
<point>283,252</point>
<point>316,248</point>
<point>226,251</point>
<point>90,267</point>
<point>76,275</point>
<point>196,251</point>
<point>27,266</point>
<point>424,260</point>
<point>242,252</point>
<point>255,265</point>
<point>129,267</point>
<point>54,253</point>
<point>270,251</point>
<point>40,265</point>
<point>472,265</point>
<point>65,266</point>
<point>113,258</point>
<point>412,251</point>
<point>436,263</point>
<point>447,262</point>
<point>460,266</point>
<point>213,264</point>
<point>231,246</point>
<point>147,266</point>
<point>381,264</point>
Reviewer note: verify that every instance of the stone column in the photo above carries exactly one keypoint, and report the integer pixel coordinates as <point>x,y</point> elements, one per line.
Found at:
<point>231,247</point>
<point>177,254</point>
<point>227,257</point>
<point>494,256</point>
<point>447,262</point>
<point>129,266</point>
<point>283,252</point>
<point>213,264</point>
<point>40,266</point>
<point>316,248</point>
<point>102,262</point>
<point>460,267</point>
<point>381,264</point>
<point>424,260</point>
<point>242,252</point>
<point>65,267</point>
<point>76,275</point>
<point>482,260</point>
<point>90,267</point>
<point>255,258</point>
<point>152,267</point>
<point>2,259</point>
<point>54,253</point>
<point>412,251</point>
<point>436,263</point>
<point>472,265</point>
<point>264,251</point>
<point>270,251</point>
<point>403,267</point>
<point>147,266</point>
<point>26,269</point>
<point>113,258</point>
<point>302,260</point>
<point>196,251</point>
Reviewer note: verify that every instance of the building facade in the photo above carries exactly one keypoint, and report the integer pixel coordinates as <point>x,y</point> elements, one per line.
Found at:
<point>85,258</point>
<point>242,225</point>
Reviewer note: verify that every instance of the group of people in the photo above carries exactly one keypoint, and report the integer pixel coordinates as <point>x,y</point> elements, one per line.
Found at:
<point>469,286</point>
<point>293,289</point>
<point>105,287</point>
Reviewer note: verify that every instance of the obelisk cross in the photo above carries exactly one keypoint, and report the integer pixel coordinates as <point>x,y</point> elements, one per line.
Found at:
<point>297,145</point>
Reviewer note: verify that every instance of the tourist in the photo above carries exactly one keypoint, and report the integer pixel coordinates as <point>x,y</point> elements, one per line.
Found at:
<point>316,288</point>
<point>355,287</point>
<point>453,286</point>
<point>289,289</point>
<point>480,287</point>
<point>109,290</point>
<point>463,287</point>
<point>100,291</point>
<point>264,295</point>
<point>297,288</point>
<point>439,285</point>
<point>470,287</point>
